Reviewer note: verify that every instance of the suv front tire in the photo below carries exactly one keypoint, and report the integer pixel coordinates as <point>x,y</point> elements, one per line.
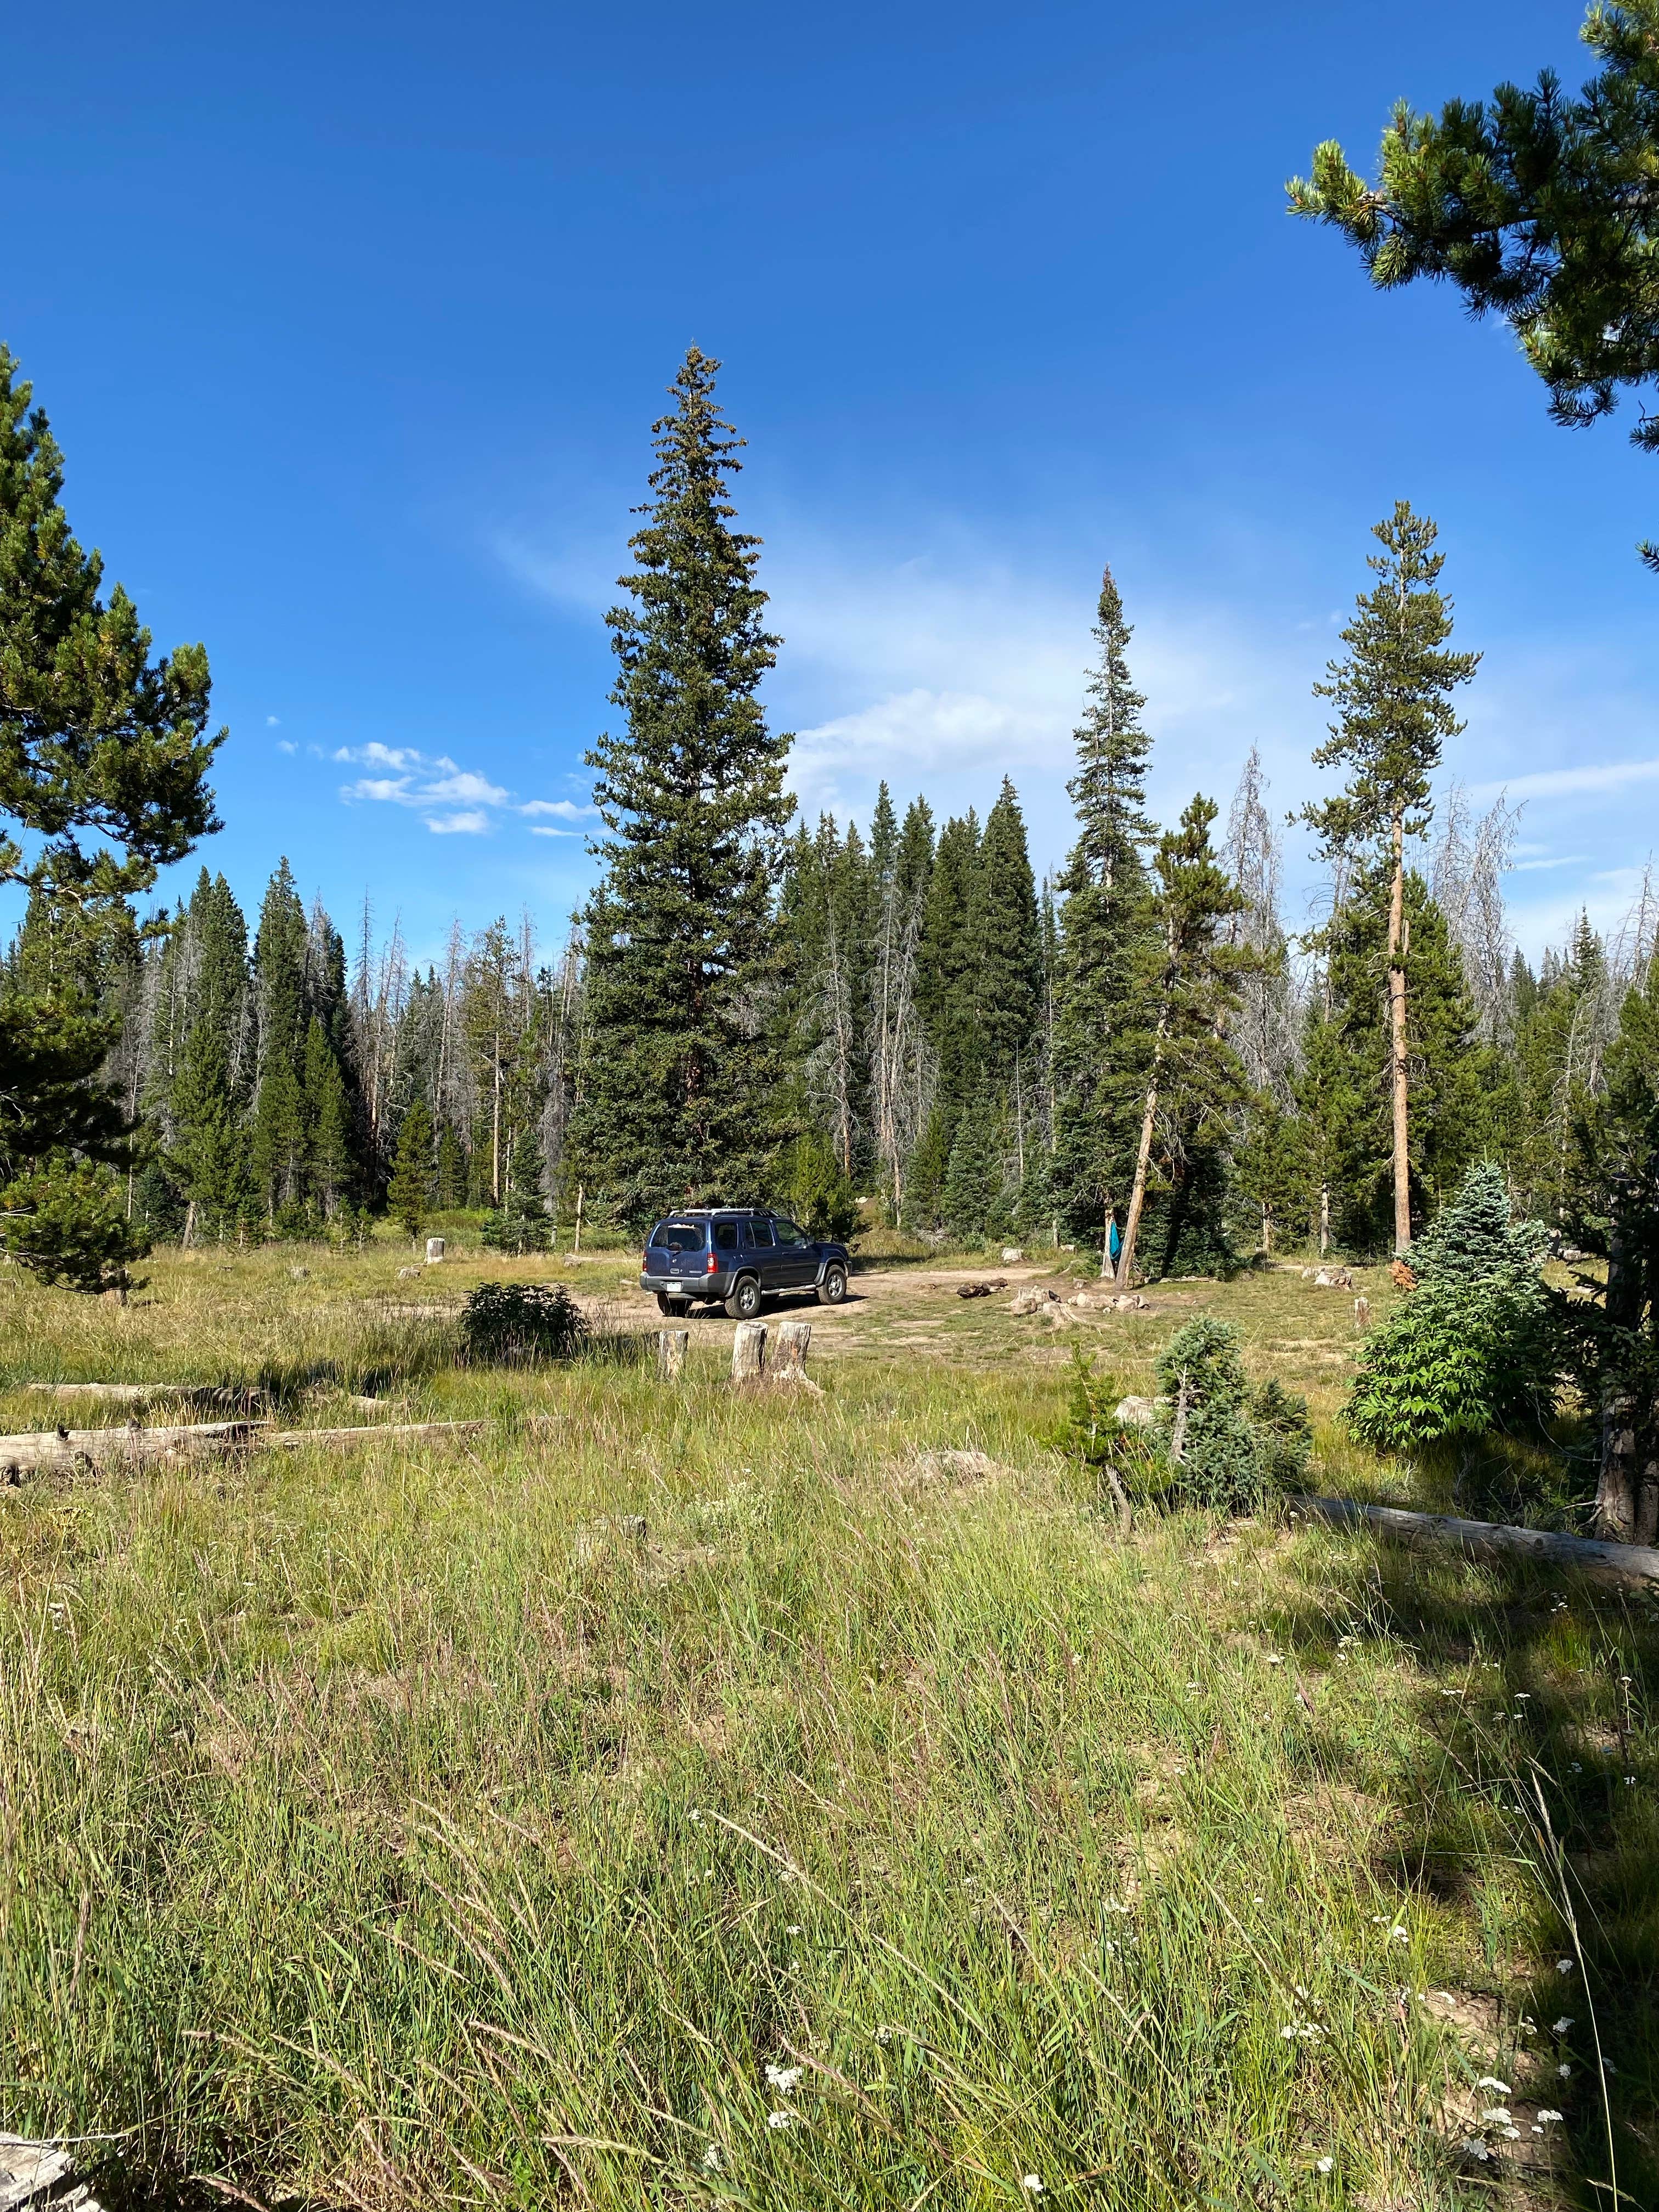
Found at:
<point>744,1302</point>
<point>833,1289</point>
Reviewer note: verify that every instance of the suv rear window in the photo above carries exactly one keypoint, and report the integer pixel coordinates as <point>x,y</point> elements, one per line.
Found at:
<point>678,1236</point>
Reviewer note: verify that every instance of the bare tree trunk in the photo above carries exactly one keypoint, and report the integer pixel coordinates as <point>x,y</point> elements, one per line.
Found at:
<point>1324,1219</point>
<point>1126,1256</point>
<point>1401,1080</point>
<point>1616,1490</point>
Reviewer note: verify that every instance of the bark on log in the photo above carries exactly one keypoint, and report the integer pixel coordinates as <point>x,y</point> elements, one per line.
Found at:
<point>671,1351</point>
<point>124,1393</point>
<point>789,1351</point>
<point>1621,1562</point>
<point>748,1352</point>
<point>402,1431</point>
<point>65,1450</point>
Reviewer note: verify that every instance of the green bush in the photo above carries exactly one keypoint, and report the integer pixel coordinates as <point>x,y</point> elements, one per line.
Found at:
<point>1216,1443</point>
<point>518,1324</point>
<point>1475,1346</point>
<point>821,1197</point>
<point>1214,1453</point>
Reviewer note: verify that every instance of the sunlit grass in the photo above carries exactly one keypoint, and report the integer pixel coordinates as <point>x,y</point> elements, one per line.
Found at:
<point>481,1821</point>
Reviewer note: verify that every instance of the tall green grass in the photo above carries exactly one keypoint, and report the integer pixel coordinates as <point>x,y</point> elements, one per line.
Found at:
<point>483,1824</point>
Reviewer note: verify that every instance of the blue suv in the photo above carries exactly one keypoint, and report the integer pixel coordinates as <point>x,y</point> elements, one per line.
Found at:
<point>735,1256</point>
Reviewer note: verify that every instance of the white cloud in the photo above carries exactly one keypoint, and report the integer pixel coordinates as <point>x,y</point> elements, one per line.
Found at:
<point>423,782</point>
<point>1564,860</point>
<point>566,808</point>
<point>273,721</point>
<point>1569,782</point>
<point>286,746</point>
<point>538,830</point>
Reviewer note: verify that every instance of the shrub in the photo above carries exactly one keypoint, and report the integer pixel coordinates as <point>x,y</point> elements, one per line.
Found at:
<point>517,1324</point>
<point>1212,1454</point>
<point>1216,1442</point>
<point>1475,1345</point>
<point>821,1199</point>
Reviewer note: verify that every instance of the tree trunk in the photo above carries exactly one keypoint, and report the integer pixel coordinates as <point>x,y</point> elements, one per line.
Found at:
<point>671,1351</point>
<point>1400,1084</point>
<point>748,1352</point>
<point>1126,1255</point>
<point>1617,1490</point>
<point>1324,1219</point>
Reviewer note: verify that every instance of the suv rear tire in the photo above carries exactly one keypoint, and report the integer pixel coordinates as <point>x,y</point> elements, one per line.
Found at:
<point>744,1302</point>
<point>666,1304</point>
<point>833,1289</point>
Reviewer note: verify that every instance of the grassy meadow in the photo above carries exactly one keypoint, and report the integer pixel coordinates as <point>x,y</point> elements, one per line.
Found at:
<point>673,1795</point>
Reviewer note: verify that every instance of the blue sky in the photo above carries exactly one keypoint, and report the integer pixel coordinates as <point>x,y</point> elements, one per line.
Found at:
<point>353,322</point>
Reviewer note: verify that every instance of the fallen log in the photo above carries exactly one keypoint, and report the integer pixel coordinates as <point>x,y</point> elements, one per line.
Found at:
<point>41,2174</point>
<point>403,1432</point>
<point>124,1393</point>
<point>1621,1562</point>
<point>68,1450</point>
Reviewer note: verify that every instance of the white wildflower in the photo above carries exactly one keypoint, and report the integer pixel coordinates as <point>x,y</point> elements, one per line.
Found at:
<point>783,2078</point>
<point>1564,1965</point>
<point>1492,2081</point>
<point>1561,2025</point>
<point>711,2158</point>
<point>1547,2113</point>
<point>1274,1659</point>
<point>1496,2115</point>
<point>1324,2165</point>
<point>781,2118</point>
<point>1031,2184</point>
<point>793,1931</point>
<point>1565,2072</point>
<point>1476,2148</point>
<point>1512,2133</point>
<point>1397,1934</point>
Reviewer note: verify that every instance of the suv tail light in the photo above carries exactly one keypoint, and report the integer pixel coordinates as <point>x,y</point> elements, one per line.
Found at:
<point>713,1267</point>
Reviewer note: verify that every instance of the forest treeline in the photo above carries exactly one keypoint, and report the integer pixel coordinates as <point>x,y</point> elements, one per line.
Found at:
<point>942,1033</point>
<point>1140,1053</point>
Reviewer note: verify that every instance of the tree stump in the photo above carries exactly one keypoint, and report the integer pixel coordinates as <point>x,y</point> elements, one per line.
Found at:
<point>435,1250</point>
<point>1362,1313</point>
<point>671,1351</point>
<point>748,1352</point>
<point>789,1351</point>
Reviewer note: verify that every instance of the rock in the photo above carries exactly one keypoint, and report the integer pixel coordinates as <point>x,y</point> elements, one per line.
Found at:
<point>929,1470</point>
<point>979,1289</point>
<point>1011,1255</point>
<point>300,1275</point>
<point>1333,1279</point>
<point>748,1352</point>
<point>1137,1412</point>
<point>1130,1302</point>
<point>1036,1300</point>
<point>435,1250</point>
<point>1403,1276</point>
<point>404,1273</point>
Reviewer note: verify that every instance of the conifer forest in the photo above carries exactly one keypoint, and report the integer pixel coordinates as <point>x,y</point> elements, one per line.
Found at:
<point>753,1006</point>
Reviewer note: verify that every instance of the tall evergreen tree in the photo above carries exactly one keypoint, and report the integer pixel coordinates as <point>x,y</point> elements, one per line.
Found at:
<point>1006,947</point>
<point>1105,920</point>
<point>94,737</point>
<point>409,1192</point>
<point>682,1093</point>
<point>1393,697</point>
<point>1191,1072</point>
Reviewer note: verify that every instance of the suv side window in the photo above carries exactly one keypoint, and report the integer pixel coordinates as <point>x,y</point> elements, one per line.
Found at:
<point>725,1235</point>
<point>760,1234</point>
<point>789,1234</point>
